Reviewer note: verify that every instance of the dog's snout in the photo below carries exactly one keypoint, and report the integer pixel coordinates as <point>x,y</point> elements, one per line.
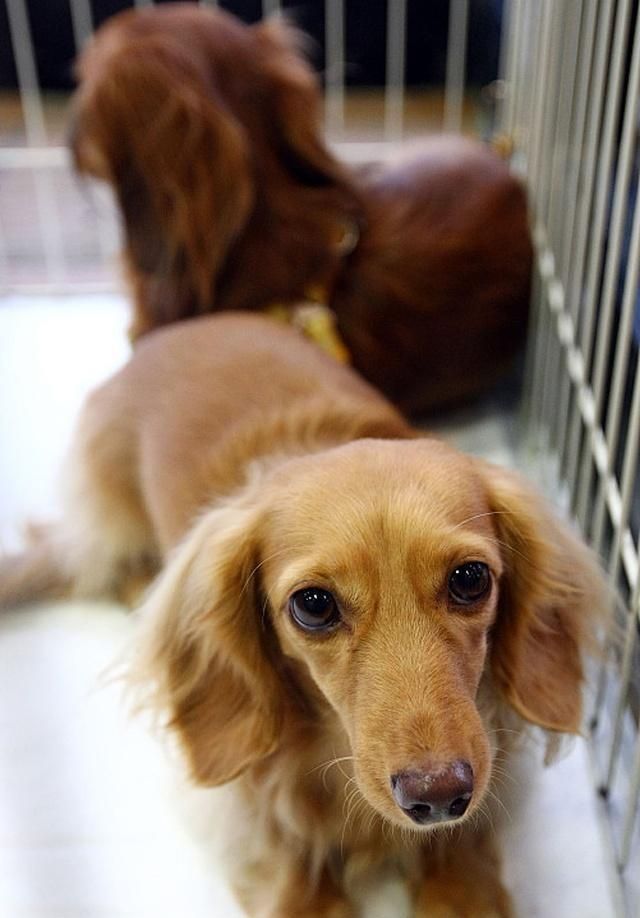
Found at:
<point>434,793</point>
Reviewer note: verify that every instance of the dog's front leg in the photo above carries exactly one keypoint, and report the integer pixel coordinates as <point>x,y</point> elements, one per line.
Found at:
<point>286,891</point>
<point>461,879</point>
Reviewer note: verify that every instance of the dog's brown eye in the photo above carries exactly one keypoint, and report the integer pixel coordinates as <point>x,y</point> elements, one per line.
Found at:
<point>314,609</point>
<point>469,582</point>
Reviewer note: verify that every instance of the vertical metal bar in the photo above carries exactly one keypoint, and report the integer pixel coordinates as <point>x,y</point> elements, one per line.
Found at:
<point>395,67</point>
<point>547,292</point>
<point>4,260</point>
<point>534,347</point>
<point>552,294</point>
<point>335,69</point>
<point>552,360</point>
<point>631,809</point>
<point>616,229</point>
<point>30,98</point>
<point>621,362</point>
<point>552,205</point>
<point>626,669</point>
<point>270,7</point>
<point>525,101</point>
<point>520,79</point>
<point>570,182</point>
<point>580,480</point>
<point>558,201</point>
<point>577,145</point>
<point>538,95</point>
<point>81,21</point>
<point>507,64</point>
<point>511,53</point>
<point>609,138</point>
<point>36,133</point>
<point>541,116</point>
<point>551,119</point>
<point>456,65</point>
<point>628,480</point>
<point>617,223</point>
<point>576,261</point>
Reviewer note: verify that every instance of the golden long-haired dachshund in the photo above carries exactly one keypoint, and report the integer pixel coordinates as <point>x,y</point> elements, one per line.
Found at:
<point>209,132</point>
<point>350,623</point>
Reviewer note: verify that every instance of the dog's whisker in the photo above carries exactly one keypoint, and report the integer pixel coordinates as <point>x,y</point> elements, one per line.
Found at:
<point>346,812</point>
<point>251,575</point>
<point>478,516</point>
<point>330,762</point>
<point>507,546</point>
<point>494,797</point>
<point>503,775</point>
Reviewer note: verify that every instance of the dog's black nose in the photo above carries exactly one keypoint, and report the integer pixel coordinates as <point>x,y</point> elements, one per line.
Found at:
<point>435,793</point>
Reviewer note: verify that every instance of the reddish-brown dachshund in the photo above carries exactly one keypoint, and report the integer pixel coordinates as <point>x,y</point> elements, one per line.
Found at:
<point>209,132</point>
<point>351,624</point>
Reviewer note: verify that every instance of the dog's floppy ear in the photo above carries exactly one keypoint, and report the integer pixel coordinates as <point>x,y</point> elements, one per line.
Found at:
<point>148,121</point>
<point>552,599</point>
<point>295,104</point>
<point>203,651</point>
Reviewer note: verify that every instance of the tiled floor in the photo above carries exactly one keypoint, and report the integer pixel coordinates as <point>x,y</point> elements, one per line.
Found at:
<point>92,811</point>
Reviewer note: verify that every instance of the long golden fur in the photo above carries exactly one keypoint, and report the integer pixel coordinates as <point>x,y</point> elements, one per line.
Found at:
<point>209,132</point>
<point>236,460</point>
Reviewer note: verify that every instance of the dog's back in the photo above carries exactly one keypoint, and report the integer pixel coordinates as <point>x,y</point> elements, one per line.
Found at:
<point>207,397</point>
<point>178,427</point>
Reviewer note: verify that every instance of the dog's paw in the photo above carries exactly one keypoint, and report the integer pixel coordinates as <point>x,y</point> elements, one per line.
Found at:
<point>458,902</point>
<point>334,910</point>
<point>453,911</point>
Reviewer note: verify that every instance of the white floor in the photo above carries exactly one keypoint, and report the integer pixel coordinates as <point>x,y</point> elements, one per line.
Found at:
<point>92,821</point>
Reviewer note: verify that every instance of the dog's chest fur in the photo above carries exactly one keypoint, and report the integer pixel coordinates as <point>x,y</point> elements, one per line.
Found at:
<point>305,798</point>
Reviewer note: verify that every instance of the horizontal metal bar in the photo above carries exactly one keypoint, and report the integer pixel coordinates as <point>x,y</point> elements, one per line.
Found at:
<point>61,288</point>
<point>34,157</point>
<point>15,158</point>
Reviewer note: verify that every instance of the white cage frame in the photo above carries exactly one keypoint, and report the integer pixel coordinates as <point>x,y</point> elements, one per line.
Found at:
<point>46,161</point>
<point>571,72</point>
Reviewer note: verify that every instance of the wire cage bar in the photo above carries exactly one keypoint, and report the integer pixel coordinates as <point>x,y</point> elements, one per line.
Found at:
<point>573,95</point>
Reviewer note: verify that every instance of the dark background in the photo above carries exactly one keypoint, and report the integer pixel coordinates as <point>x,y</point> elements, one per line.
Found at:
<point>427,22</point>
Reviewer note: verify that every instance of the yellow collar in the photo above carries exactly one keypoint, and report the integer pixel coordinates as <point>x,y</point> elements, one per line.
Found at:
<point>316,322</point>
<point>312,316</point>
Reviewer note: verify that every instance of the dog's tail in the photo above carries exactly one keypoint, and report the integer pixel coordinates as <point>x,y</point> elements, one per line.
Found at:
<point>34,574</point>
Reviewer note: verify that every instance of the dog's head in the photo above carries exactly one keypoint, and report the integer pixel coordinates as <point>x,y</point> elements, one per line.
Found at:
<point>382,583</point>
<point>191,115</point>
